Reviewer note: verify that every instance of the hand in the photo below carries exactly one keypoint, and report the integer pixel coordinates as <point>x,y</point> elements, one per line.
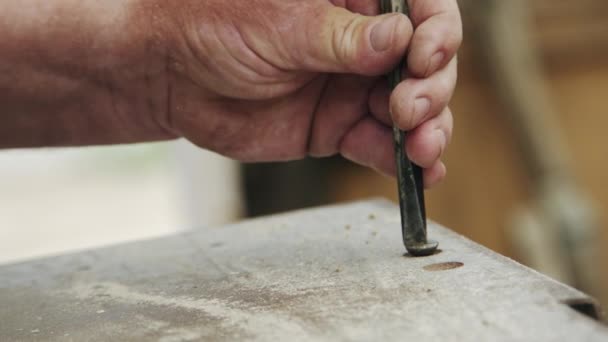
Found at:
<point>269,80</point>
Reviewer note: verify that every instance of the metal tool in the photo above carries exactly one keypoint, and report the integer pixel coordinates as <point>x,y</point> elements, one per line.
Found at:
<point>409,175</point>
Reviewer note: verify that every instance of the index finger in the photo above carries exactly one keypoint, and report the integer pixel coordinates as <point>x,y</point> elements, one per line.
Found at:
<point>437,35</point>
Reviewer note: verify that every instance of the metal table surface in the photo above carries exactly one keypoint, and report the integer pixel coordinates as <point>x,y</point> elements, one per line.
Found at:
<point>326,274</point>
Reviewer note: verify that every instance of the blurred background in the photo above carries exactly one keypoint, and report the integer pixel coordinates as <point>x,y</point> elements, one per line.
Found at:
<point>527,167</point>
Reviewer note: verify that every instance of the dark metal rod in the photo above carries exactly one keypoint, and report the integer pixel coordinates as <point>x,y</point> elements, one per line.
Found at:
<point>409,176</point>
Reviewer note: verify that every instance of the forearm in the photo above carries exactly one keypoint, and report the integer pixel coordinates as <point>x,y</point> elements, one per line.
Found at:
<point>79,72</point>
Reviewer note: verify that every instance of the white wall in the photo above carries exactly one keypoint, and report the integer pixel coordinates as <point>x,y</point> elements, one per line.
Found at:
<point>59,200</point>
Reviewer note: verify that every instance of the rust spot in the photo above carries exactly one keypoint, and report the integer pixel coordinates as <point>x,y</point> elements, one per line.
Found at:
<point>443,266</point>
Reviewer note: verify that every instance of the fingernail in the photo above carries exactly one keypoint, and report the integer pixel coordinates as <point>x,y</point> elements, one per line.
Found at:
<point>422,105</point>
<point>382,33</point>
<point>435,62</point>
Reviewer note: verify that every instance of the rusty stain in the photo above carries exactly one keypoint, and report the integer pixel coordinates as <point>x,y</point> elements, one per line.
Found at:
<point>443,266</point>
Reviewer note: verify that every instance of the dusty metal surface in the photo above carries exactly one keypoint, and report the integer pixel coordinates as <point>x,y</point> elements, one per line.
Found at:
<point>335,273</point>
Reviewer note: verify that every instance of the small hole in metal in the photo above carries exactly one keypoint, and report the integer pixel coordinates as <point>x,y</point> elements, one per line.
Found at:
<point>443,266</point>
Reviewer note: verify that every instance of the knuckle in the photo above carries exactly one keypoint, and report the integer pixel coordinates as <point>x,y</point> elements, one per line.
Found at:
<point>400,106</point>
<point>454,39</point>
<point>345,38</point>
<point>449,125</point>
<point>458,35</point>
<point>443,89</point>
<point>444,35</point>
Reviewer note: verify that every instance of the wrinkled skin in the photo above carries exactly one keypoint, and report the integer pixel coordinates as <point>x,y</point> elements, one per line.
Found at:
<point>264,80</point>
<point>255,80</point>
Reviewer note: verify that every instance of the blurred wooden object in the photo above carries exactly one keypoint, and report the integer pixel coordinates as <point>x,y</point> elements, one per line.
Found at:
<point>556,231</point>
<point>570,32</point>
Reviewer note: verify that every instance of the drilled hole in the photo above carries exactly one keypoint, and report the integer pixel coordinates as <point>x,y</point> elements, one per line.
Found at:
<point>584,307</point>
<point>443,266</point>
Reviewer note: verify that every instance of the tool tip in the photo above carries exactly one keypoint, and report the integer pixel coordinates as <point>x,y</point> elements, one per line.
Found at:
<point>422,249</point>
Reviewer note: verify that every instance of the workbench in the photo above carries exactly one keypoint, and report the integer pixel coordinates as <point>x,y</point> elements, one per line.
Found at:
<point>327,274</point>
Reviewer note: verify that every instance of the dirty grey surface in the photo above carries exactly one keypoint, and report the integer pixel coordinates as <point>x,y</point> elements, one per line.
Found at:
<point>334,273</point>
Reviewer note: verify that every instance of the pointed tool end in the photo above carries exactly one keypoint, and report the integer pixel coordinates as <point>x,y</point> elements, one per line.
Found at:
<point>422,249</point>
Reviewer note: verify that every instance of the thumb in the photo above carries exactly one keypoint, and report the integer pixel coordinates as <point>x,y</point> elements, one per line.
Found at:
<point>344,42</point>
